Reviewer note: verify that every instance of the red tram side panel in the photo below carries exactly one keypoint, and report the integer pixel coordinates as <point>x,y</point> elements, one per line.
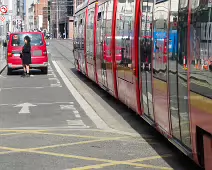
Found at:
<point>135,55</point>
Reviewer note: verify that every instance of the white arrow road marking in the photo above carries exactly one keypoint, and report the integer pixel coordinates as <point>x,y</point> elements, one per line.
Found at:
<point>25,107</point>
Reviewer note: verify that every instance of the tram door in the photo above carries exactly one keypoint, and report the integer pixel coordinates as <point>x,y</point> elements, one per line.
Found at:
<point>178,84</point>
<point>145,53</point>
<point>101,41</point>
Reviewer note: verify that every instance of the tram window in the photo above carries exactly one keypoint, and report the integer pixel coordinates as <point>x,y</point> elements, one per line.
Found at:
<point>108,26</point>
<point>128,29</point>
<point>201,50</point>
<point>120,43</point>
<point>89,33</point>
<point>161,45</point>
<point>75,34</point>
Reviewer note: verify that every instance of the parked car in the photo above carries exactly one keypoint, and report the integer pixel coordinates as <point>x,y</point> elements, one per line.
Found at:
<point>38,51</point>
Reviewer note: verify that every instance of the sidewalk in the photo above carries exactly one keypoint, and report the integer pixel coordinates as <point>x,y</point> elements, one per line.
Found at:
<point>3,62</point>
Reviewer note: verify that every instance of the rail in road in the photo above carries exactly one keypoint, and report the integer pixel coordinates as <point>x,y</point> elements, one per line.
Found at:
<point>46,123</point>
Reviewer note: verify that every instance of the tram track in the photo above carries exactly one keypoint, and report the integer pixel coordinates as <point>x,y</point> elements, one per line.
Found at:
<point>55,47</point>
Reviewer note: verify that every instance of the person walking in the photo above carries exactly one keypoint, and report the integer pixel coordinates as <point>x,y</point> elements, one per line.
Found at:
<point>26,56</point>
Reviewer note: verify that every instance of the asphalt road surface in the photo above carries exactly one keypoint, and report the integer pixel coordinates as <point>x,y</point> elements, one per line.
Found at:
<point>64,121</point>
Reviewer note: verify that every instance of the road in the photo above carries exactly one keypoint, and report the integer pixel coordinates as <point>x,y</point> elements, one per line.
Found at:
<point>64,121</point>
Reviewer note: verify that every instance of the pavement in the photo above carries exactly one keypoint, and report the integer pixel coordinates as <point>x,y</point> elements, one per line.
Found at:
<point>64,121</point>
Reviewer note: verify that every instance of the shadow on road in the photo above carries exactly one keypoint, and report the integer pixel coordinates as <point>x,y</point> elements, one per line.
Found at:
<point>20,72</point>
<point>142,127</point>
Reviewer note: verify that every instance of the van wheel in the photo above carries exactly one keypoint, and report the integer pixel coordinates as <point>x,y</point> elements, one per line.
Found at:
<point>9,71</point>
<point>44,70</point>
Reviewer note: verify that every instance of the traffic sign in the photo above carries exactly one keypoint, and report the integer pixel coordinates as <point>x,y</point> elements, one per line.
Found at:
<point>3,9</point>
<point>2,18</point>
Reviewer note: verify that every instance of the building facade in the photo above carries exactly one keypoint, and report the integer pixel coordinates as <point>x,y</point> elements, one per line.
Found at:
<point>41,15</point>
<point>30,26</point>
<point>62,10</point>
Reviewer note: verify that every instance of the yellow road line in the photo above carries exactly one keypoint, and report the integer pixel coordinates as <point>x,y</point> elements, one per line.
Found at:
<point>70,156</point>
<point>128,162</point>
<point>98,159</point>
<point>111,162</point>
<point>21,131</point>
<point>149,158</point>
<point>76,143</point>
<point>7,152</point>
<point>67,135</point>
<point>12,149</point>
<point>8,134</point>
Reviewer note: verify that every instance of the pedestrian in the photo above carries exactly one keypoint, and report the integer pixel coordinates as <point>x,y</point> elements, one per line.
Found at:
<point>26,56</point>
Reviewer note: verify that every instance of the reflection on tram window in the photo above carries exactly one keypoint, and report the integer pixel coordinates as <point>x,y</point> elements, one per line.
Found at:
<point>161,43</point>
<point>145,39</point>
<point>119,39</point>
<point>101,47</point>
<point>201,49</point>
<point>81,31</point>
<point>75,33</point>
<point>124,33</point>
<point>108,32</point>
<point>89,33</point>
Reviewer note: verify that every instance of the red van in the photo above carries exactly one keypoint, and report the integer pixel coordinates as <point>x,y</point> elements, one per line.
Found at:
<point>38,51</point>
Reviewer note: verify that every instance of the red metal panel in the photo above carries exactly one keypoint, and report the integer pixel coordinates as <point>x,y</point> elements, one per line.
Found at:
<point>86,23</point>
<point>113,48</point>
<point>95,25</point>
<point>136,54</point>
<point>207,152</point>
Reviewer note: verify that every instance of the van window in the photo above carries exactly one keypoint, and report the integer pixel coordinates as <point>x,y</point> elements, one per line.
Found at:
<point>18,39</point>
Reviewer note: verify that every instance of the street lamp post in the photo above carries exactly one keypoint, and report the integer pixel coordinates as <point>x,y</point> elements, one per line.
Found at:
<point>57,19</point>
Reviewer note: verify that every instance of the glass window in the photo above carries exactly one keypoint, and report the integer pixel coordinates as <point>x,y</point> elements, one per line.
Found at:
<point>81,28</point>
<point>76,33</point>
<point>101,29</point>
<point>145,57</point>
<point>120,46</point>
<point>201,49</point>
<point>161,44</point>
<point>89,33</point>
<point>18,39</point>
<point>108,32</point>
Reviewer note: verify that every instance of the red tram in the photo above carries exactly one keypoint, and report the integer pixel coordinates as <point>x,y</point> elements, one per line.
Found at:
<point>128,48</point>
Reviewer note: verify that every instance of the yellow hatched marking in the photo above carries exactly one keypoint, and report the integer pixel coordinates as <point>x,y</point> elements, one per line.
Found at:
<point>9,134</point>
<point>67,135</point>
<point>109,162</point>
<point>21,131</point>
<point>128,162</point>
<point>98,159</point>
<point>7,152</point>
<point>12,149</point>
<point>77,143</point>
